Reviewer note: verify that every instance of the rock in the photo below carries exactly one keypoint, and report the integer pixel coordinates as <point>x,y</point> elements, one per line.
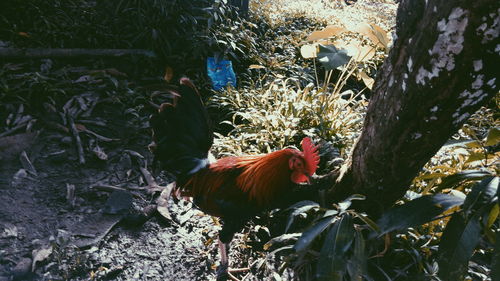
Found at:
<point>22,270</point>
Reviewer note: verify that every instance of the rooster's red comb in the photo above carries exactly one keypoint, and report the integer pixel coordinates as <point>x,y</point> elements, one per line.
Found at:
<point>310,155</point>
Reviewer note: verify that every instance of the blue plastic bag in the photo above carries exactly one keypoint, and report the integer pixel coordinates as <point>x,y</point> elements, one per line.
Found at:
<point>221,73</point>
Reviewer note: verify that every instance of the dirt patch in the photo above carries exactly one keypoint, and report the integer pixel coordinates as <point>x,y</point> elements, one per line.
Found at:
<point>46,233</point>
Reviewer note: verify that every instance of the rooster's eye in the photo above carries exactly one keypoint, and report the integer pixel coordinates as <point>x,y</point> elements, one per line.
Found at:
<point>296,164</point>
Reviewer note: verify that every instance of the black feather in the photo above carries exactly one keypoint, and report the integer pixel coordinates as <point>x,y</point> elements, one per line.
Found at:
<point>182,132</point>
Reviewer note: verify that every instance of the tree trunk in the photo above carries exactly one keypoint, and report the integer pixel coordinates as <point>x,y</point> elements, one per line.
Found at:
<point>441,69</point>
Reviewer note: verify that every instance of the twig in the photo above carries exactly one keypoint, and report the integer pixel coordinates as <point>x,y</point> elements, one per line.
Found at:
<point>232,277</point>
<point>103,138</point>
<point>133,153</point>
<point>56,126</point>
<point>111,188</point>
<point>107,187</point>
<point>74,131</point>
<point>93,122</point>
<point>8,132</point>
<point>70,194</point>
<point>27,165</point>
<point>236,270</point>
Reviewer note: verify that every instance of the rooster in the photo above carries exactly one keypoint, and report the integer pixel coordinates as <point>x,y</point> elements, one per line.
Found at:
<point>234,189</point>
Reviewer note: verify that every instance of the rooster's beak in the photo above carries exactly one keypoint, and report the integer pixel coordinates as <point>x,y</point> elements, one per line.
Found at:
<point>308,178</point>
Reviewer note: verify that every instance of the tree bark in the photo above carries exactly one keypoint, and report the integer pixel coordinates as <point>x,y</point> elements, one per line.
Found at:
<point>441,69</point>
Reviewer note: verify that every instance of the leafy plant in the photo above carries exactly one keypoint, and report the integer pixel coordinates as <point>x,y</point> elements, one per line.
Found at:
<point>348,50</point>
<point>342,244</point>
<point>281,114</point>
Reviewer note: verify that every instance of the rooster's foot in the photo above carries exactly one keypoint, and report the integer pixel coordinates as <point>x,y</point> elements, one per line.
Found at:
<point>225,273</point>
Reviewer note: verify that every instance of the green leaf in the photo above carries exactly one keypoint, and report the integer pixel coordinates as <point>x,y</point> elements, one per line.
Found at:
<point>367,220</point>
<point>467,175</point>
<point>493,215</point>
<point>458,242</point>
<point>300,208</point>
<point>344,205</point>
<point>309,235</point>
<point>495,265</point>
<point>482,193</point>
<point>286,238</point>
<point>416,212</point>
<point>460,143</point>
<point>331,57</point>
<point>357,264</point>
<point>332,261</point>
<point>493,137</point>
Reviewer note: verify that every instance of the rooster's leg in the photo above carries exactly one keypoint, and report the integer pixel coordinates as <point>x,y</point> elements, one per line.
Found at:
<point>223,271</point>
<point>229,228</point>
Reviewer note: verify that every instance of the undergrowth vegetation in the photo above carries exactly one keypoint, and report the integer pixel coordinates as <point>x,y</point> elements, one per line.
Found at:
<point>282,113</point>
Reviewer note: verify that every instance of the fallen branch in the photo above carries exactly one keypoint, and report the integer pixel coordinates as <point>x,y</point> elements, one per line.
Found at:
<point>74,131</point>
<point>149,178</point>
<point>27,165</point>
<point>102,138</point>
<point>111,188</point>
<point>30,53</point>
<point>8,132</point>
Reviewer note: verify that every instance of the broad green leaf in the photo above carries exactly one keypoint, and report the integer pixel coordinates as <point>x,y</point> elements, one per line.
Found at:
<point>481,193</point>
<point>332,261</point>
<point>458,242</point>
<point>493,215</point>
<point>467,175</point>
<point>475,156</point>
<point>368,221</point>
<point>309,235</point>
<point>495,265</point>
<point>493,137</point>
<point>330,213</point>
<point>416,212</point>
<point>431,176</point>
<point>357,264</point>
<point>282,239</point>
<point>461,143</point>
<point>344,205</point>
<point>301,204</point>
<point>331,57</point>
<point>300,208</point>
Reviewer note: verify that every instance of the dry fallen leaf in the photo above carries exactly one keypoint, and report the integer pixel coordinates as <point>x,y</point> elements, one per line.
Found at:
<point>366,79</point>
<point>256,66</point>
<point>326,32</point>
<point>309,51</point>
<point>169,74</point>
<point>377,35</point>
<point>40,255</point>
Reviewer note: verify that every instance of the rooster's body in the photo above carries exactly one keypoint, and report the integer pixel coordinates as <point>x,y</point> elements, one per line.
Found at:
<point>232,188</point>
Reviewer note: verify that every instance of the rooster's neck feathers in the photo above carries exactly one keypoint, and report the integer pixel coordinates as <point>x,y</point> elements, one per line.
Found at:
<point>266,176</point>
